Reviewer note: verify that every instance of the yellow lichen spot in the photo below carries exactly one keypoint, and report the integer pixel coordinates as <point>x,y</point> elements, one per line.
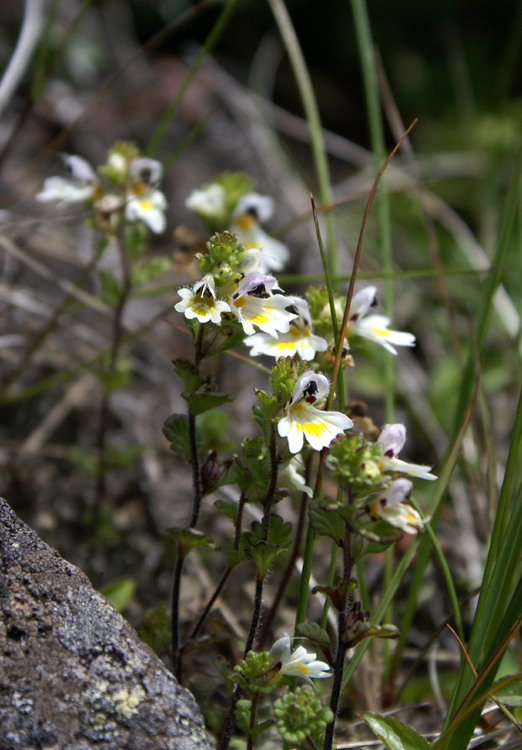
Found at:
<point>127,703</point>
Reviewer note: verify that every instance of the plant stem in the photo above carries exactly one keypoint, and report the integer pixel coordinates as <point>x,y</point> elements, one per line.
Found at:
<point>342,646</point>
<point>269,619</point>
<point>219,588</point>
<point>253,711</point>
<point>197,494</point>
<point>230,723</point>
<point>117,333</point>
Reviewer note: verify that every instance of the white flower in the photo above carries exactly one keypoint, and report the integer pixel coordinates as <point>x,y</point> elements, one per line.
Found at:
<point>389,506</point>
<point>298,340</point>
<point>147,171</point>
<point>290,478</point>
<point>201,302</point>
<point>298,663</point>
<point>392,439</point>
<point>145,202</point>
<point>80,189</point>
<point>374,327</point>
<point>254,305</point>
<point>250,212</point>
<point>303,419</point>
<point>209,203</point>
<point>148,206</point>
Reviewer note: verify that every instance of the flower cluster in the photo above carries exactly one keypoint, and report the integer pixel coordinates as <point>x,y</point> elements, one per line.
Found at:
<point>373,469</point>
<point>229,204</point>
<point>132,190</point>
<point>360,324</point>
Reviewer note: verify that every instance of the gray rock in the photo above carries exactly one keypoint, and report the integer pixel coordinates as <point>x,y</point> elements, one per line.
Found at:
<point>73,674</point>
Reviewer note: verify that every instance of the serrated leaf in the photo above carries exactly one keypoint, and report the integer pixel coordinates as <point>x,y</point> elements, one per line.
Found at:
<point>202,402</point>
<point>199,391</point>
<point>233,556</point>
<point>263,554</point>
<point>190,375</point>
<point>189,538</point>
<point>175,430</point>
<point>278,532</point>
<point>393,734</point>
<point>227,508</point>
<point>224,669</point>
<point>314,633</point>
<point>511,694</point>
<point>337,594</point>
<point>380,534</point>
<point>119,593</point>
<point>326,522</point>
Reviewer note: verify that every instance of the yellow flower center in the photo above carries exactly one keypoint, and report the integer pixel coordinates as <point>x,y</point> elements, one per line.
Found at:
<point>244,223</point>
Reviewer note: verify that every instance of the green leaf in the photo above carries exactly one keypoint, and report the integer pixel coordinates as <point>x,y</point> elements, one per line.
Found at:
<point>314,633</point>
<point>199,391</point>
<point>111,288</point>
<point>190,375</point>
<point>227,508</point>
<point>189,538</point>
<point>233,556</point>
<point>202,402</point>
<point>156,629</point>
<point>224,669</point>
<point>326,522</point>
<point>119,593</point>
<point>175,430</point>
<point>278,532</point>
<point>263,554</point>
<point>511,694</point>
<point>338,593</point>
<point>393,734</point>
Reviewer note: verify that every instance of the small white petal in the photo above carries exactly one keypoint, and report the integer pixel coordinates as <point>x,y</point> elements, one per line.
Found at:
<point>80,169</point>
<point>261,207</point>
<point>147,170</point>
<point>362,301</point>
<point>392,439</point>
<point>208,202</point>
<point>64,192</point>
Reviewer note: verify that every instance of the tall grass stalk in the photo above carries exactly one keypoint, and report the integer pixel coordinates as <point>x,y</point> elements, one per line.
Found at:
<point>373,106</point>
<point>309,102</point>
<point>468,381</point>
